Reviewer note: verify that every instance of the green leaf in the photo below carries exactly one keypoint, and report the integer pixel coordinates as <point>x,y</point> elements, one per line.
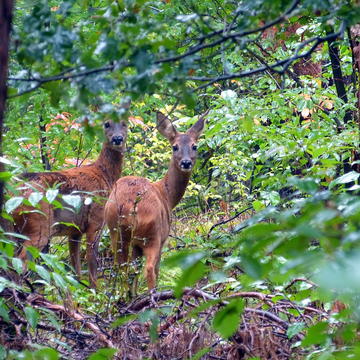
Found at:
<point>53,321</point>
<point>46,354</point>
<point>13,203</point>
<point>307,185</point>
<point>18,265</point>
<point>201,353</point>
<point>5,176</point>
<point>187,18</point>
<point>3,353</point>
<point>3,263</point>
<point>153,330</point>
<point>16,235</point>
<point>4,311</point>
<point>52,261</point>
<point>301,105</point>
<point>252,267</point>
<point>185,259</point>
<point>189,277</point>
<point>32,316</point>
<point>227,320</point>
<point>316,334</point>
<point>73,200</point>
<point>349,177</point>
<point>258,205</point>
<point>66,224</point>
<point>35,197</point>
<point>103,354</point>
<point>51,195</point>
<point>35,252</point>
<point>294,329</point>
<point>43,273</point>
<point>272,196</point>
<point>319,152</point>
<point>72,281</point>
<point>59,281</point>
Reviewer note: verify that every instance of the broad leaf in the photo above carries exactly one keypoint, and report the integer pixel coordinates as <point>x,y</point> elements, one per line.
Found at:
<point>73,200</point>
<point>51,195</point>
<point>35,197</point>
<point>32,316</point>
<point>227,320</point>
<point>12,204</point>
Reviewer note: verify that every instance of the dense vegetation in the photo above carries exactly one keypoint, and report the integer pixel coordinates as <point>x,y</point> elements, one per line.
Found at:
<point>263,257</point>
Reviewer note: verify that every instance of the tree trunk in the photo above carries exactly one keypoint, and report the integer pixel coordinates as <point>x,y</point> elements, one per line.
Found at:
<point>6,8</point>
<point>341,92</point>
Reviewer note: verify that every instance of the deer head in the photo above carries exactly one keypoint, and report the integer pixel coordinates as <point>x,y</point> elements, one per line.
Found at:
<point>184,145</point>
<point>116,132</point>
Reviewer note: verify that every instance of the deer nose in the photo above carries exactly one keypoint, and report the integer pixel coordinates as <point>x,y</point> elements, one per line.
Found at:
<point>186,165</point>
<point>117,140</point>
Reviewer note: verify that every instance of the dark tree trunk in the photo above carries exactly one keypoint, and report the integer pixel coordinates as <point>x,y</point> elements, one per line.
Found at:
<point>341,92</point>
<point>6,9</point>
<point>43,147</point>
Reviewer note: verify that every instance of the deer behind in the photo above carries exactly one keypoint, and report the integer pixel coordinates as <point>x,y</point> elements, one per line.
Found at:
<point>97,178</point>
<point>139,212</point>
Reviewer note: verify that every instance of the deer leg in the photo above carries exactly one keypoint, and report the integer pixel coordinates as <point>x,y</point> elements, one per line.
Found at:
<point>136,252</point>
<point>120,244</point>
<point>92,247</point>
<point>39,241</point>
<point>157,265</point>
<point>74,249</point>
<point>151,255</point>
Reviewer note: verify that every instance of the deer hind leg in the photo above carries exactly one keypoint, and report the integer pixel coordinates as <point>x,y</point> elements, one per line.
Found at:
<point>40,240</point>
<point>120,243</point>
<point>74,249</point>
<point>92,247</point>
<point>152,262</point>
<point>157,265</point>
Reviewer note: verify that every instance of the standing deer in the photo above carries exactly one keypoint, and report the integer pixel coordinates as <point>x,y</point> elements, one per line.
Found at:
<point>139,212</point>
<point>97,178</point>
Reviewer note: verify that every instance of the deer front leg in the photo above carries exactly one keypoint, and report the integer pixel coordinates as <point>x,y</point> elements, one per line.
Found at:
<point>74,249</point>
<point>152,262</point>
<point>92,247</point>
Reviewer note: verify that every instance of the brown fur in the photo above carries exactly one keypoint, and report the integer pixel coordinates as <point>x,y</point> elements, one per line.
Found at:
<point>140,211</point>
<point>97,178</point>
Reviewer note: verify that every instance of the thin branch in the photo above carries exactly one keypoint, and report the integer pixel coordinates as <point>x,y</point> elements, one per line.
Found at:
<point>285,63</point>
<point>58,77</point>
<point>228,220</point>
<point>225,37</point>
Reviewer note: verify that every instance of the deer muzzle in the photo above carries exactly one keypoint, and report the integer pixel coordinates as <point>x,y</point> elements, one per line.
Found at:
<point>117,140</point>
<point>186,165</point>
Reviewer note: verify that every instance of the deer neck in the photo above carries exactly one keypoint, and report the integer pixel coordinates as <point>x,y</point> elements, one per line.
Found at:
<point>174,184</point>
<point>110,162</point>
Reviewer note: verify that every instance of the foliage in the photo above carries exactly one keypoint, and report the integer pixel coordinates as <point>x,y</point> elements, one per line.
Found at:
<point>272,211</point>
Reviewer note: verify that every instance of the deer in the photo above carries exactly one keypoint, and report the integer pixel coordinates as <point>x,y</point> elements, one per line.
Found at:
<point>97,178</point>
<point>138,212</point>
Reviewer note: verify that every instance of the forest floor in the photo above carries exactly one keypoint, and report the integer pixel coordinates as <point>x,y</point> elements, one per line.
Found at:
<point>172,329</point>
<point>160,325</point>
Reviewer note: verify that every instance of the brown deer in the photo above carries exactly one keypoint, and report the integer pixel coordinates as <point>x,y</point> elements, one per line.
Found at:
<point>138,212</point>
<point>97,178</point>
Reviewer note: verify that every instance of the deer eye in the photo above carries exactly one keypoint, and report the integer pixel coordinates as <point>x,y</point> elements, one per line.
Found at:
<point>107,125</point>
<point>194,147</point>
<point>175,148</point>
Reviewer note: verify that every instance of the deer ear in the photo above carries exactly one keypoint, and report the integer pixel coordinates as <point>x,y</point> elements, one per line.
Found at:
<point>165,127</point>
<point>199,126</point>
